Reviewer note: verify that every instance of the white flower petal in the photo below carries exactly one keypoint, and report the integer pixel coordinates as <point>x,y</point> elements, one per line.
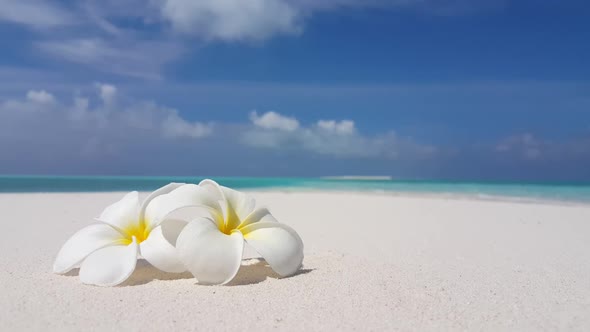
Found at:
<point>213,188</point>
<point>158,192</point>
<point>242,204</point>
<point>123,214</point>
<point>237,205</point>
<point>158,249</point>
<point>278,244</point>
<point>109,266</point>
<point>188,195</point>
<point>220,211</point>
<point>259,215</point>
<point>82,244</point>
<point>212,256</point>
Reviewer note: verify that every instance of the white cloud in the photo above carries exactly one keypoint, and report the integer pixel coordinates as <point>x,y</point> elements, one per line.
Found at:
<point>38,117</point>
<point>41,97</point>
<point>123,56</point>
<point>273,120</point>
<point>174,126</point>
<point>108,93</point>
<point>327,137</point>
<point>345,127</point>
<point>101,133</point>
<point>232,19</point>
<point>35,102</point>
<point>35,13</point>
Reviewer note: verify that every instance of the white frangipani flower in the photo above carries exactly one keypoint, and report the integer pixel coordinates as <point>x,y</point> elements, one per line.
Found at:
<point>211,248</point>
<point>107,251</point>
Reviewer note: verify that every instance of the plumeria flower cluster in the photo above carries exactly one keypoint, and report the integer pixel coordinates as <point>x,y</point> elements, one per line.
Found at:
<point>210,246</point>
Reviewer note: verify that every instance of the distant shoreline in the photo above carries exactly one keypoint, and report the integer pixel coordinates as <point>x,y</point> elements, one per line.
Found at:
<point>535,191</point>
<point>359,177</point>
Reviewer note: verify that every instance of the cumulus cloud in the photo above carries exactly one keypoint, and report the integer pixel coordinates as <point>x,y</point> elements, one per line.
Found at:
<point>273,120</point>
<point>232,19</point>
<point>174,126</point>
<point>337,138</point>
<point>114,123</point>
<point>345,127</point>
<point>108,93</point>
<point>40,97</point>
<point>107,132</point>
<point>34,102</point>
<point>80,127</point>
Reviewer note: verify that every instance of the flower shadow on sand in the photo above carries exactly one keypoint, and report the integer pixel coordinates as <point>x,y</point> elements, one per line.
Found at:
<point>256,270</point>
<point>252,271</point>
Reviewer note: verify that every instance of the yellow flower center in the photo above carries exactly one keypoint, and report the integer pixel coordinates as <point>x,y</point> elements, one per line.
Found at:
<point>225,230</point>
<point>139,230</point>
<point>231,222</point>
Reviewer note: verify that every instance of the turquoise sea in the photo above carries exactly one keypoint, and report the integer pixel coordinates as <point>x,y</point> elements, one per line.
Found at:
<point>579,192</point>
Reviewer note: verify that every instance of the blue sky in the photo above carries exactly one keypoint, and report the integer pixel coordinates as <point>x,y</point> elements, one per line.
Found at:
<point>454,89</point>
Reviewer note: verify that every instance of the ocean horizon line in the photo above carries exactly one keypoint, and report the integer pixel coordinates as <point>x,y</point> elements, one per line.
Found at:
<point>343,178</point>
<point>551,191</point>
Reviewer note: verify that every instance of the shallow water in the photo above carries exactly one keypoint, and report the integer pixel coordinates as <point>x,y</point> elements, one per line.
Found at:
<point>578,192</point>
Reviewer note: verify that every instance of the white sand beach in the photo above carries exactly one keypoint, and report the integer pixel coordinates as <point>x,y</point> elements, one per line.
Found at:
<point>373,262</point>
